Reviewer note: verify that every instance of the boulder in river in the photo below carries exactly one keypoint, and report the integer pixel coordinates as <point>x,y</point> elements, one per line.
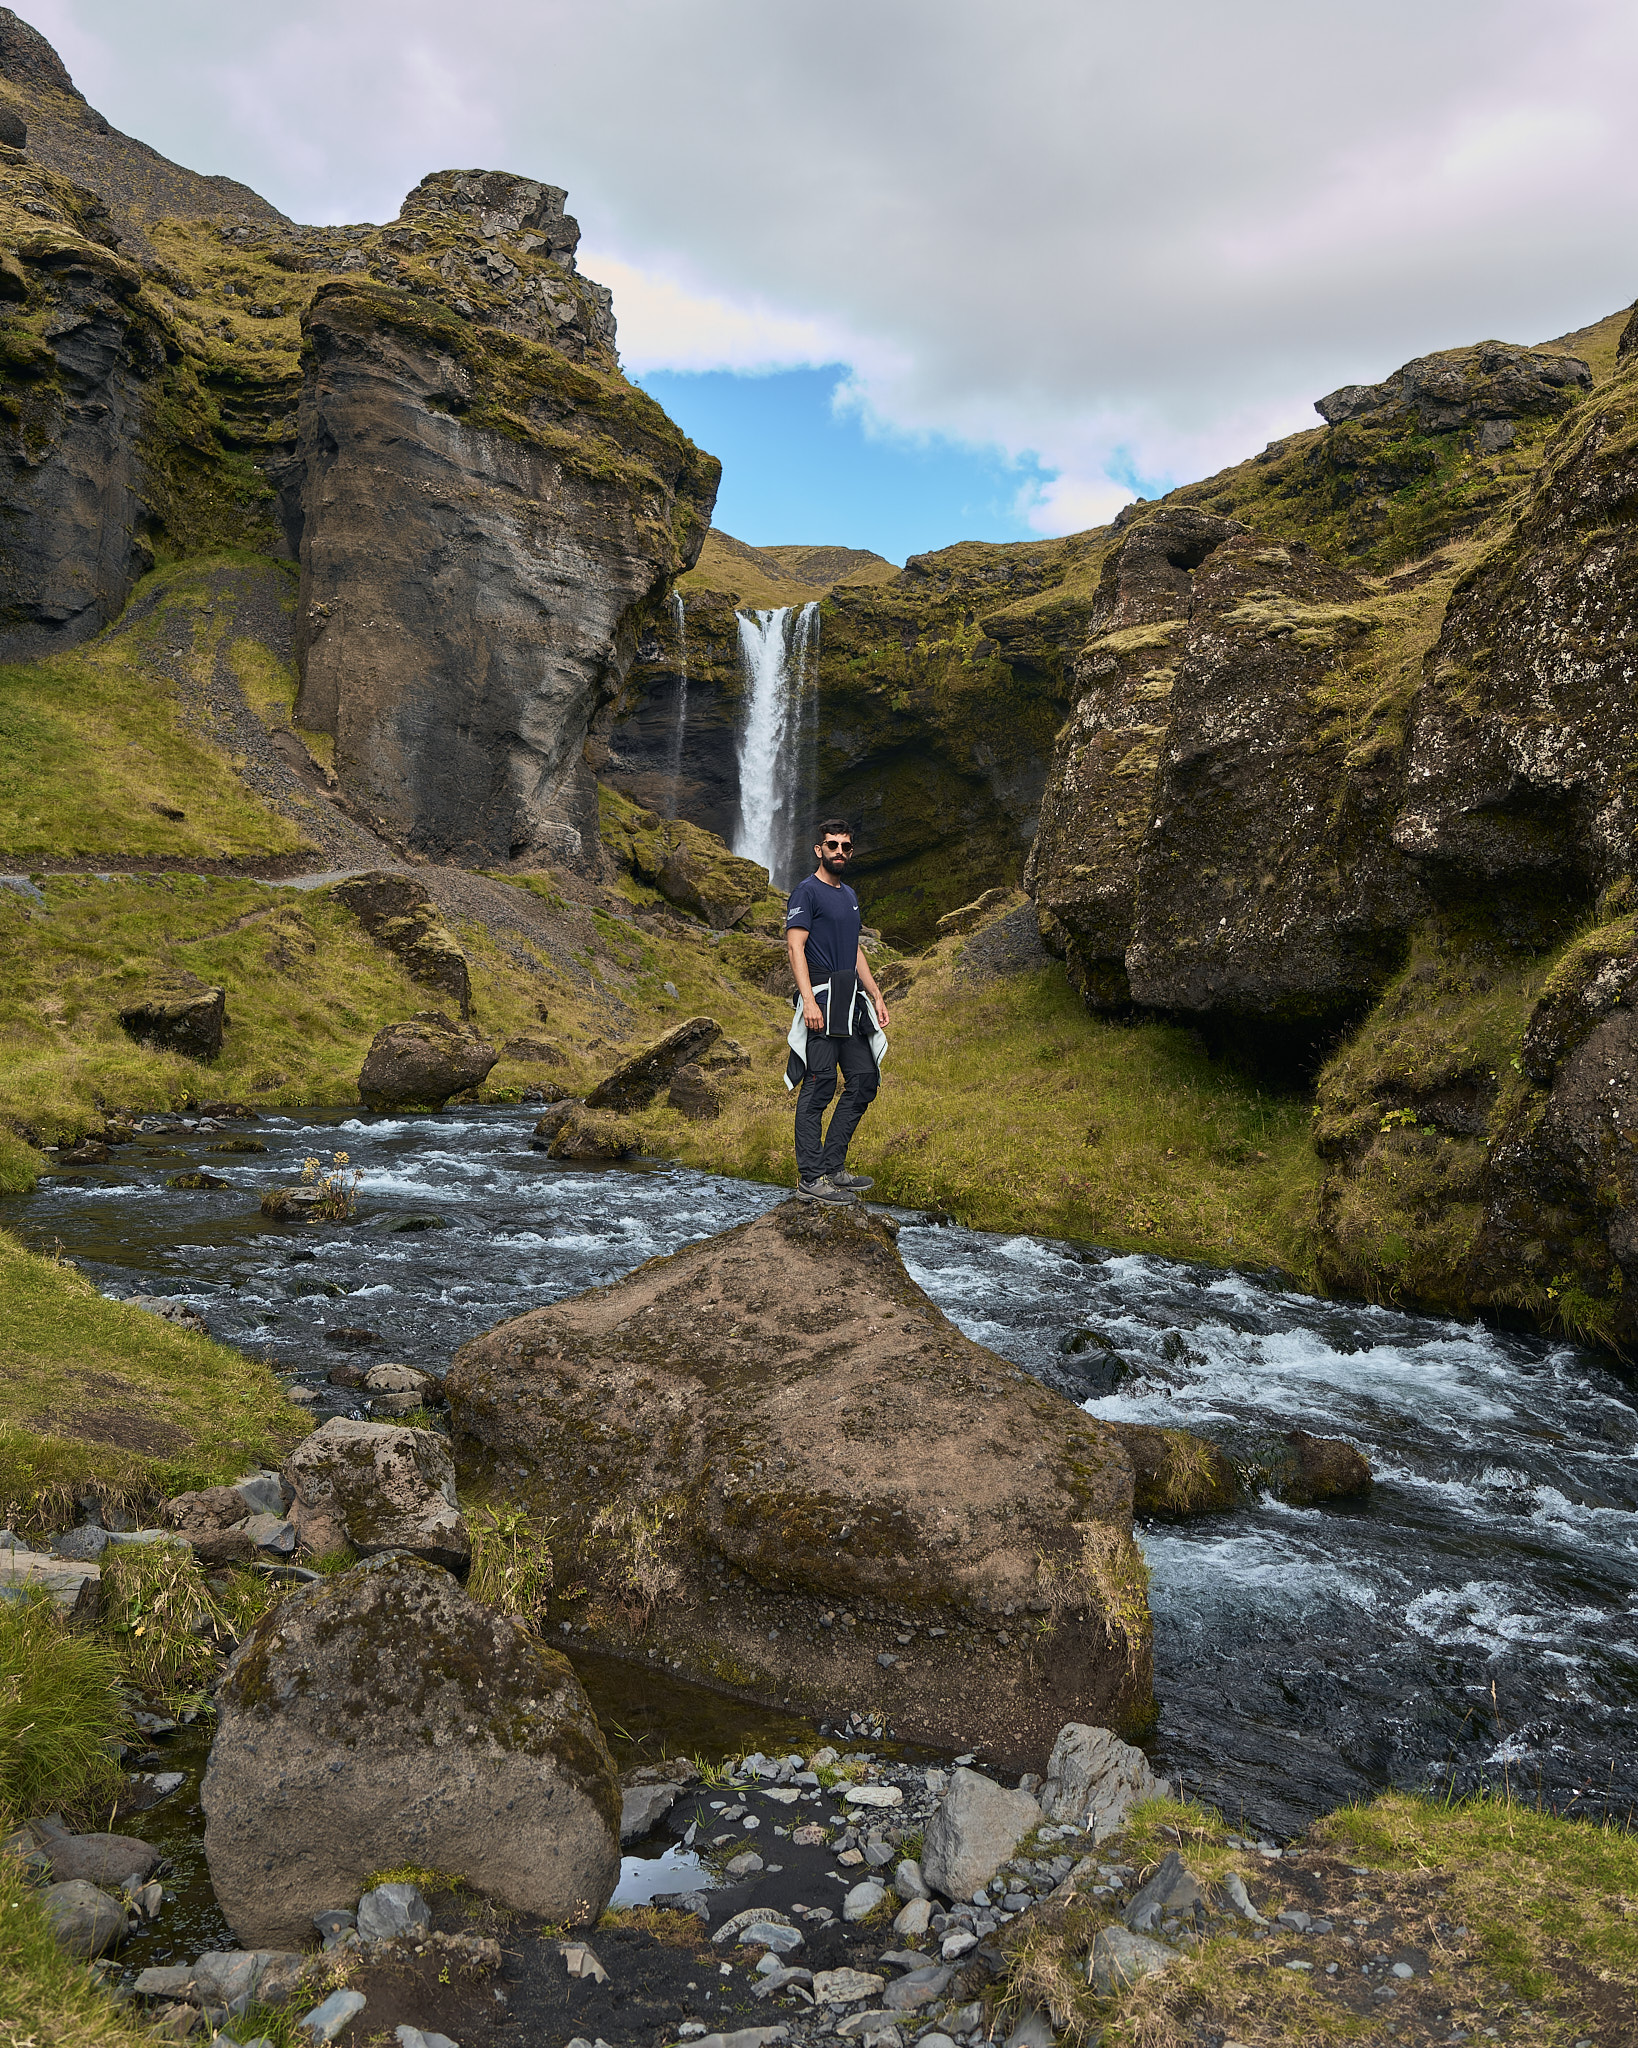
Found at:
<point>381,1717</point>
<point>1175,1472</point>
<point>635,1083</point>
<point>589,1134</point>
<point>778,1467</point>
<point>377,1486</point>
<point>177,1012</point>
<point>422,1062</point>
<point>1319,1468</point>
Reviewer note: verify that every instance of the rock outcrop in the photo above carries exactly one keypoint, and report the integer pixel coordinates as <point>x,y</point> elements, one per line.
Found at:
<point>636,1082</point>
<point>400,915</point>
<point>776,1465</point>
<point>380,1717</point>
<point>177,1012</point>
<point>422,1062</point>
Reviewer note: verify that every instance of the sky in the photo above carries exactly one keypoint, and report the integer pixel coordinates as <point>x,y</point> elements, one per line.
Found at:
<point>925,270</point>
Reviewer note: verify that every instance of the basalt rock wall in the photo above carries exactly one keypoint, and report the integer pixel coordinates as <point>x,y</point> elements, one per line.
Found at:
<point>430,415</point>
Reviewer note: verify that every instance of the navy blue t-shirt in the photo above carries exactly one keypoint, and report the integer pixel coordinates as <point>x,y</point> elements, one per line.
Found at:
<point>830,917</point>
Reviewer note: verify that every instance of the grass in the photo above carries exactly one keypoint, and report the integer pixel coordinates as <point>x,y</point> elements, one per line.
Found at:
<point>60,1709</point>
<point>159,1611</point>
<point>95,1394</point>
<point>95,760</point>
<point>1524,1921</point>
<point>49,1999</point>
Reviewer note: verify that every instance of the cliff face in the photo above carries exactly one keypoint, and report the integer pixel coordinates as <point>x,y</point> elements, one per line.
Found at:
<point>431,415</point>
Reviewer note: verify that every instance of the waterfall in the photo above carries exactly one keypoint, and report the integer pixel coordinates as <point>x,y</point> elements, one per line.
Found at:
<point>680,722</point>
<point>778,744</point>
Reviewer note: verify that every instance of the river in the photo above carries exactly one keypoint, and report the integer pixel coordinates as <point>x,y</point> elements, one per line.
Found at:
<point>1474,1621</point>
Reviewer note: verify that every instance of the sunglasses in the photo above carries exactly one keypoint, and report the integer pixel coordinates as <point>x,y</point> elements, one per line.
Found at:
<point>838,846</point>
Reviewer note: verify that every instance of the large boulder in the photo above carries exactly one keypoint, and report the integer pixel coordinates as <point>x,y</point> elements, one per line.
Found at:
<point>589,1135</point>
<point>400,915</point>
<point>976,1828</point>
<point>635,1082</point>
<point>377,1486</point>
<point>421,1063</point>
<point>380,1718</point>
<point>1094,1780</point>
<point>177,1012</point>
<point>778,1466</point>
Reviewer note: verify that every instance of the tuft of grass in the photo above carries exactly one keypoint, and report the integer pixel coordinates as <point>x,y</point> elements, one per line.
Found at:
<point>512,1561</point>
<point>164,1619</point>
<point>19,1166</point>
<point>60,1710</point>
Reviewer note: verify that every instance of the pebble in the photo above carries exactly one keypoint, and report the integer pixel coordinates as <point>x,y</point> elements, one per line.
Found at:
<point>863,1900</point>
<point>873,1795</point>
<point>742,1865</point>
<point>845,1986</point>
<point>326,2021</point>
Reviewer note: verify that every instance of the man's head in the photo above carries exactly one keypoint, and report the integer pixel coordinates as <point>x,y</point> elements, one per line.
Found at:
<point>834,845</point>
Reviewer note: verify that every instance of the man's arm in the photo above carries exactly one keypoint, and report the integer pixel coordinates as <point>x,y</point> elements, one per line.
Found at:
<point>861,967</point>
<point>796,944</point>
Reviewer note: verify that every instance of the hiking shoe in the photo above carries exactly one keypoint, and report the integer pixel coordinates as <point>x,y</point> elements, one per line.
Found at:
<point>858,1182</point>
<point>824,1190</point>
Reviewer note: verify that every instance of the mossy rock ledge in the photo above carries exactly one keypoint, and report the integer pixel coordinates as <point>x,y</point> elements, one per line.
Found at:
<point>778,1469</point>
<point>382,1717</point>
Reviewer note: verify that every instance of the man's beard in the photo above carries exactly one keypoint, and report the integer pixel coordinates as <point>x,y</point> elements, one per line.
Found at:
<point>832,864</point>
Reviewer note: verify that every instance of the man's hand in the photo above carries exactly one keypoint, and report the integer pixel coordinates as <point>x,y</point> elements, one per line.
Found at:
<point>882,1017</point>
<point>812,1016</point>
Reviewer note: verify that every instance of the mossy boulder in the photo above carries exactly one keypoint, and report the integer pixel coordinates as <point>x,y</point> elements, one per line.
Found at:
<point>373,1486</point>
<point>1176,1473</point>
<point>381,1717</point>
<point>399,915</point>
<point>422,1062</point>
<point>177,1012</point>
<point>636,1082</point>
<point>592,1136</point>
<point>779,1467</point>
<point>683,862</point>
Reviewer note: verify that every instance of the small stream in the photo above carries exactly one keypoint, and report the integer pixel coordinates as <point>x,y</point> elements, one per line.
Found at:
<point>1474,1620</point>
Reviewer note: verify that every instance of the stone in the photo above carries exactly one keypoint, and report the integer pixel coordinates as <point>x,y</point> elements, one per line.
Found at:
<point>172,1980</point>
<point>743,1865</point>
<point>1177,1473</point>
<point>1094,1780</point>
<point>534,1052</point>
<point>213,1522</point>
<point>100,1859</point>
<point>269,1976</point>
<point>1172,1889</point>
<point>914,1919</point>
<point>777,1935</point>
<point>393,1911</point>
<point>261,1492</point>
<point>1234,1887</point>
<point>422,1062</point>
<point>1316,1468</point>
<point>331,2018</point>
<point>975,1829</point>
<point>415,2037</point>
<point>86,1921</point>
<point>399,914</point>
<point>377,1487</point>
<point>80,1546</point>
<point>333,1921</point>
<point>970,915</point>
<point>636,1082</point>
<point>693,1094</point>
<point>873,1795</point>
<point>780,1978</point>
<point>643,1807</point>
<point>746,2037</point>
<point>875,2029</point>
<point>962,1941</point>
<point>844,1986</point>
<point>588,1136</point>
<point>177,1012</point>
<point>399,1379</point>
<point>552,1121</point>
<point>863,1900</point>
<point>1033,2030</point>
<point>917,1988</point>
<point>327,1714</point>
<point>908,1881</point>
<point>272,1533</point>
<point>74,1587</point>
<point>1121,1958</point>
<point>924,1508</point>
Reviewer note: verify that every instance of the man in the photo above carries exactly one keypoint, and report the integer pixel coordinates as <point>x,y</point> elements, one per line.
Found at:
<point>843,1015</point>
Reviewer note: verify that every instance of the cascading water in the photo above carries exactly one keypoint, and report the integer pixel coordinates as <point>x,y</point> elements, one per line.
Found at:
<point>679,725</point>
<point>778,744</point>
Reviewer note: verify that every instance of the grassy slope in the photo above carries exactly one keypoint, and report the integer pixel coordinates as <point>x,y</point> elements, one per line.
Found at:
<point>95,1393</point>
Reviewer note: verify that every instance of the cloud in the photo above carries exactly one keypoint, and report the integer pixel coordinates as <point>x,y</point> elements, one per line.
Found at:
<point>1133,243</point>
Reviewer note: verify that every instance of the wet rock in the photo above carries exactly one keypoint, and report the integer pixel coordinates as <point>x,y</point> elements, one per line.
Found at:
<point>392,1911</point>
<point>327,1716</point>
<point>377,1487</point>
<point>552,1121</point>
<point>589,1136</point>
<point>692,1093</point>
<point>1319,1468</point>
<point>1175,1472</point>
<point>86,1921</point>
<point>976,1828</point>
<point>194,1183</point>
<point>177,1012</point>
<point>637,1081</point>
<point>1094,1780</point>
<point>351,1335</point>
<point>99,1859</point>
<point>182,1313</point>
<point>1121,1959</point>
<point>212,1522</point>
<point>345,1375</point>
<point>88,1152</point>
<point>400,915</point>
<point>400,1379</point>
<point>421,1063</point>
<point>643,1807</point>
<point>698,1419</point>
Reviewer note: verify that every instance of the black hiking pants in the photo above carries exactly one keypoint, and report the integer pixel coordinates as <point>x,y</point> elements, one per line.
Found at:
<point>816,1155</point>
